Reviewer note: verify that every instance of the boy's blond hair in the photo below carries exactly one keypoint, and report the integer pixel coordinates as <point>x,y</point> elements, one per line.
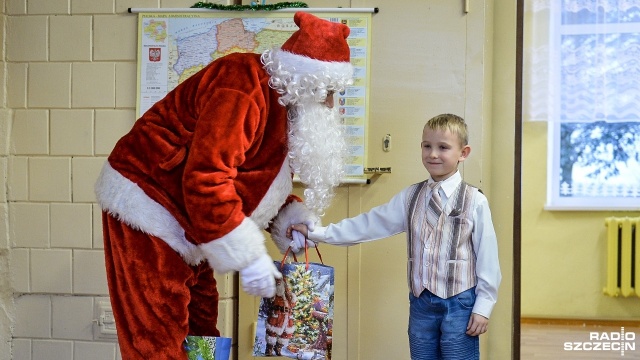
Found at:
<point>453,123</point>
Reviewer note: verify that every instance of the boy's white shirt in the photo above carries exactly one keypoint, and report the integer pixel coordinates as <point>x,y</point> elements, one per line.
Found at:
<point>391,218</point>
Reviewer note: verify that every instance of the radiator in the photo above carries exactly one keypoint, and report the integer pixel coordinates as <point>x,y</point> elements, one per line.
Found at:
<point>623,256</point>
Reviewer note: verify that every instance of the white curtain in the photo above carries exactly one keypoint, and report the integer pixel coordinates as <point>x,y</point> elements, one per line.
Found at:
<point>538,96</point>
<point>582,60</point>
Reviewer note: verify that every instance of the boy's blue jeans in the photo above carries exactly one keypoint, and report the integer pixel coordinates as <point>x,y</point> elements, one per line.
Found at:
<point>437,327</point>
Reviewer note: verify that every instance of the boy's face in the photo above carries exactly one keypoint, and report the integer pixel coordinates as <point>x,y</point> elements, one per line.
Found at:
<point>441,153</point>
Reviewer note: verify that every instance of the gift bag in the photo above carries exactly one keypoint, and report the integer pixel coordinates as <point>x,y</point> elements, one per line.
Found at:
<point>207,348</point>
<point>297,322</point>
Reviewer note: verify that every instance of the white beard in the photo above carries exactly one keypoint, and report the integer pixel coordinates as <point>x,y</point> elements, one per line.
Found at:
<point>317,151</point>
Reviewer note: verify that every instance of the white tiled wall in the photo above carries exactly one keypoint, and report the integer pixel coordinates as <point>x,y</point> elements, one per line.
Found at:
<point>69,95</point>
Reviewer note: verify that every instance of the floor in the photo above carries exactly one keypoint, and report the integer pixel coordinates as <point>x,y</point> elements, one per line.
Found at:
<point>575,341</point>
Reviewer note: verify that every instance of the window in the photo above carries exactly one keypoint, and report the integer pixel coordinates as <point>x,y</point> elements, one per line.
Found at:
<point>592,101</point>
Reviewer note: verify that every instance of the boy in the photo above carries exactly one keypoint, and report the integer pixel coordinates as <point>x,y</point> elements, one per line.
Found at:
<point>453,268</point>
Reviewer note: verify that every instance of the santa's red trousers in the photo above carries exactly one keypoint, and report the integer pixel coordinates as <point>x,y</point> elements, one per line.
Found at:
<point>157,299</point>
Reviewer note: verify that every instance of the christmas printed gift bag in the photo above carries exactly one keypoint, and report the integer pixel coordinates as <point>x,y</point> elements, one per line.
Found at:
<point>297,322</point>
<point>207,348</point>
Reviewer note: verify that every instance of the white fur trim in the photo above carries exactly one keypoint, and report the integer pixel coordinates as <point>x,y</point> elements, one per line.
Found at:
<point>293,213</point>
<point>274,198</point>
<point>237,249</point>
<point>304,65</point>
<point>126,201</point>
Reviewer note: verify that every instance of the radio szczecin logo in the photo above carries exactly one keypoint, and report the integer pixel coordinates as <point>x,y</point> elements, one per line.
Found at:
<point>605,341</point>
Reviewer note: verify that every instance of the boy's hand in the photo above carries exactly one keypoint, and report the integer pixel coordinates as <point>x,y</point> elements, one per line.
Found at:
<point>298,234</point>
<point>301,228</point>
<point>478,324</point>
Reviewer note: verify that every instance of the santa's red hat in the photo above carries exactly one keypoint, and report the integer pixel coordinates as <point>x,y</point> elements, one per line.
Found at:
<point>317,47</point>
<point>318,39</point>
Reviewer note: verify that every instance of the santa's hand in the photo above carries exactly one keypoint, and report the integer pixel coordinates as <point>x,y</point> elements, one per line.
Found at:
<point>259,277</point>
<point>299,240</point>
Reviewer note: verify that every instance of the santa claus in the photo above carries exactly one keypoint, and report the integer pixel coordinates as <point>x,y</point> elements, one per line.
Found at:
<point>190,188</point>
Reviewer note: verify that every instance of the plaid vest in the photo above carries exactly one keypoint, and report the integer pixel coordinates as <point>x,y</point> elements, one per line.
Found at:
<point>441,259</point>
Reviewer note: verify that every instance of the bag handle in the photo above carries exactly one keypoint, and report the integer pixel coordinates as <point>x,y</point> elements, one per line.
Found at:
<point>306,256</point>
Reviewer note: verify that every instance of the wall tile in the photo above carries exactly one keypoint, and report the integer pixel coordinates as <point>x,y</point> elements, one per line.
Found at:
<point>16,7</point>
<point>111,125</point>
<point>6,118</point>
<point>4,162</point>
<point>72,318</point>
<point>92,7</point>
<point>49,85</point>
<point>71,226</point>
<point>93,85</point>
<point>70,38</point>
<point>98,242</point>
<point>52,349</point>
<point>126,84</point>
<point>50,179</point>
<point>29,224</point>
<point>33,316</point>
<point>48,7</point>
<point>71,132</point>
<point>21,349</point>
<point>3,35</point>
<point>20,270</point>
<point>115,37</point>
<point>23,30</point>
<point>16,85</point>
<point>85,173</point>
<point>18,182</point>
<point>94,351</point>
<point>51,271</point>
<point>3,74</point>
<point>89,272</point>
<point>4,228</point>
<point>30,132</point>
